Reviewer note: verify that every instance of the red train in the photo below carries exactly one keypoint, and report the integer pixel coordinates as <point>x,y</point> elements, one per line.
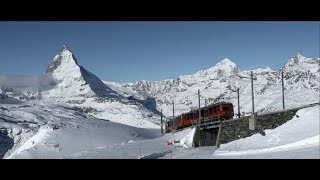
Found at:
<point>218,111</point>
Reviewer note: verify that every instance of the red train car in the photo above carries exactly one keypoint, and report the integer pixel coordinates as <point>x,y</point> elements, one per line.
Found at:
<point>222,111</point>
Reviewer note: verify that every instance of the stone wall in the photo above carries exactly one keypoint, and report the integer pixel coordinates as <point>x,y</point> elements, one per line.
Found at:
<point>240,128</point>
<point>205,137</point>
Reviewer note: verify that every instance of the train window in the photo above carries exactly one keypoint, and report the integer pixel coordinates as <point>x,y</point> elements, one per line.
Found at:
<point>191,115</point>
<point>196,115</point>
<point>205,113</point>
<point>225,108</point>
<point>210,110</point>
<point>202,112</point>
<point>214,109</point>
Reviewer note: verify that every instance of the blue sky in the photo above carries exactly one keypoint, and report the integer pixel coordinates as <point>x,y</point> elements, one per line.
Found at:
<point>127,51</point>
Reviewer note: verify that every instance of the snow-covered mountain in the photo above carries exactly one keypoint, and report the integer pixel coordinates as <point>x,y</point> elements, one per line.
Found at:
<point>220,82</point>
<point>74,80</point>
<point>65,81</point>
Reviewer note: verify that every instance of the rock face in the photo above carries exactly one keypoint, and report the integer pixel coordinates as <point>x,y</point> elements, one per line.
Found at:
<point>6,142</point>
<point>220,82</point>
<point>65,53</point>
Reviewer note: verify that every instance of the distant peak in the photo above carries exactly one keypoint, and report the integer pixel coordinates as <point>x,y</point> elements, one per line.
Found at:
<point>298,55</point>
<point>226,60</point>
<point>225,67</point>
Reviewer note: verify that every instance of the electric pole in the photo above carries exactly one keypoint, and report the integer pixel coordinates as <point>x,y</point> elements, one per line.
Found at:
<point>238,102</point>
<point>173,125</point>
<point>252,92</point>
<point>161,123</point>
<point>282,90</point>
<point>172,108</point>
<point>199,107</point>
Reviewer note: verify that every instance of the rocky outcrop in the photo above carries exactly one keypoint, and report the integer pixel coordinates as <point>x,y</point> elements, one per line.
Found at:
<point>6,142</point>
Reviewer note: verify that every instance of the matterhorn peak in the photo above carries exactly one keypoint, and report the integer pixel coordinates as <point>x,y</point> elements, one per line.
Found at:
<point>65,48</point>
<point>75,79</point>
<point>64,57</point>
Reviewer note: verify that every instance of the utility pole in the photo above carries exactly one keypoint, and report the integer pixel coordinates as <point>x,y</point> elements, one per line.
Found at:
<point>219,134</point>
<point>161,123</point>
<point>238,102</point>
<point>205,102</point>
<point>172,108</point>
<point>252,92</point>
<point>253,119</point>
<point>173,120</point>
<point>199,107</point>
<point>282,90</point>
<point>173,125</point>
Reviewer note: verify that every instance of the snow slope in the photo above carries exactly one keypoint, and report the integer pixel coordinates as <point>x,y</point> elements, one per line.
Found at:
<point>58,131</point>
<point>298,138</point>
<point>302,126</point>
